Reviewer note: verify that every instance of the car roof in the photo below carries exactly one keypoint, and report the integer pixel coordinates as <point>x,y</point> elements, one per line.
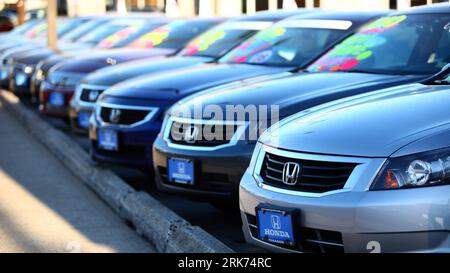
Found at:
<point>354,16</point>
<point>435,8</point>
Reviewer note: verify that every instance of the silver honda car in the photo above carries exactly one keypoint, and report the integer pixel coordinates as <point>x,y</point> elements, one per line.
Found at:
<point>369,173</point>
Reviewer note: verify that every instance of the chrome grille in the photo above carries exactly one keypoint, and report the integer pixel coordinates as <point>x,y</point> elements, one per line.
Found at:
<point>90,94</point>
<point>125,116</point>
<point>65,79</point>
<point>211,134</point>
<point>314,176</point>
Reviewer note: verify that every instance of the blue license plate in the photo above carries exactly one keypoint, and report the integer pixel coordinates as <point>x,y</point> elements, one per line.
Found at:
<point>276,226</point>
<point>181,171</point>
<point>108,140</point>
<point>3,74</point>
<point>57,99</point>
<point>20,79</point>
<point>83,119</point>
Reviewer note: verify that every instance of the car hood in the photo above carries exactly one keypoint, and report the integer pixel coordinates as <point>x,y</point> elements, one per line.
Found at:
<point>182,82</point>
<point>114,74</point>
<point>126,54</point>
<point>34,57</point>
<point>295,92</point>
<point>106,58</point>
<point>371,125</point>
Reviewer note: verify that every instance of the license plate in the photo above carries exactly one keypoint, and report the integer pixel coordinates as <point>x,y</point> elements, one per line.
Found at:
<point>57,99</point>
<point>20,78</point>
<point>107,140</point>
<point>3,74</point>
<point>181,171</point>
<point>276,226</point>
<point>83,119</point>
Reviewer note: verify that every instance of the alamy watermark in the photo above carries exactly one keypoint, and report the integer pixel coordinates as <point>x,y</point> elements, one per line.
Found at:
<point>221,123</point>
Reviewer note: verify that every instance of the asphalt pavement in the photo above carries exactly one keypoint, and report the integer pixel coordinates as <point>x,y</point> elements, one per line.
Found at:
<point>43,206</point>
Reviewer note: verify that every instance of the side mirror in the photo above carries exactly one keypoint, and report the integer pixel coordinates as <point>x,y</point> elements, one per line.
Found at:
<point>445,72</point>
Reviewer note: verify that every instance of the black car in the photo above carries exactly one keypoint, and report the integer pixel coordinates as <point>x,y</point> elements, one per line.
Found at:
<point>207,48</point>
<point>142,102</point>
<point>402,48</point>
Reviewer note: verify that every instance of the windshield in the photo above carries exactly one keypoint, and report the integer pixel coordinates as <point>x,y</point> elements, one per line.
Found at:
<point>172,36</point>
<point>82,30</point>
<point>96,36</point>
<point>219,40</point>
<point>66,26</point>
<point>288,43</point>
<point>413,44</point>
<point>36,30</point>
<point>25,27</point>
<point>127,35</point>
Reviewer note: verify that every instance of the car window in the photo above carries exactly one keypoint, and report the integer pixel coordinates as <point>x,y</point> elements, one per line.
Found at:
<point>82,30</point>
<point>172,36</point>
<point>96,36</point>
<point>404,44</point>
<point>127,35</point>
<point>219,40</point>
<point>290,43</point>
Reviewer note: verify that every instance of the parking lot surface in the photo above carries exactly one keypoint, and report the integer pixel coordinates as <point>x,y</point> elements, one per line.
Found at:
<point>44,208</point>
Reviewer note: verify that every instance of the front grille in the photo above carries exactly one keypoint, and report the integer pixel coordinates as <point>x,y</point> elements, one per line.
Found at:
<point>65,79</point>
<point>310,240</point>
<point>123,116</point>
<point>90,94</point>
<point>209,135</point>
<point>314,176</point>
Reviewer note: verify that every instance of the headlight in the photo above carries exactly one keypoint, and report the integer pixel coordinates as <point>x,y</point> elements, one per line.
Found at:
<point>419,170</point>
<point>28,69</point>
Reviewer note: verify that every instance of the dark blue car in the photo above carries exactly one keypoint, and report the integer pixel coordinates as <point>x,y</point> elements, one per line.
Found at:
<point>206,48</point>
<point>398,49</point>
<point>129,115</point>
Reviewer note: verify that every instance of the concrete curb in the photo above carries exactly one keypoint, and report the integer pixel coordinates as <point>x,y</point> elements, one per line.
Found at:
<point>162,227</point>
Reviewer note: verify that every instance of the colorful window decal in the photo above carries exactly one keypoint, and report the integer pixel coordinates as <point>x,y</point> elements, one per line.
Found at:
<point>260,42</point>
<point>207,40</point>
<point>36,31</point>
<point>204,42</point>
<point>157,36</point>
<point>358,47</point>
<point>117,37</point>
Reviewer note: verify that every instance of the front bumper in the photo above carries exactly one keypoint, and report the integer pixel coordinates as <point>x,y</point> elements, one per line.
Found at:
<point>413,220</point>
<point>75,112</point>
<point>19,82</point>
<point>4,76</point>
<point>45,106</point>
<point>217,172</point>
<point>135,144</point>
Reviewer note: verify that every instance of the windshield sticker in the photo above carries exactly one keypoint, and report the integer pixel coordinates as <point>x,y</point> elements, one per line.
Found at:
<point>261,41</point>
<point>121,35</point>
<point>156,37</point>
<point>358,47</point>
<point>261,57</point>
<point>204,42</point>
<point>36,31</point>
